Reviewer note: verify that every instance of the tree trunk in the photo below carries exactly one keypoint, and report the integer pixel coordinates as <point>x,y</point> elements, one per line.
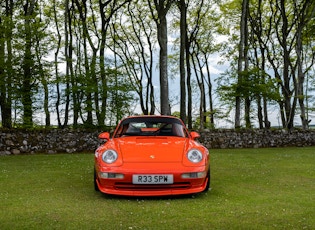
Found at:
<point>183,34</point>
<point>304,15</point>
<point>6,70</point>
<point>27,67</point>
<point>189,89</point>
<point>68,56</point>
<point>209,83</point>
<point>162,7</point>
<point>240,67</point>
<point>247,113</point>
<point>164,91</point>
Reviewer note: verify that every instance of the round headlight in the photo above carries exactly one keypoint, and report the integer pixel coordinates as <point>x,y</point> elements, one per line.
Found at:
<point>109,156</point>
<point>194,156</point>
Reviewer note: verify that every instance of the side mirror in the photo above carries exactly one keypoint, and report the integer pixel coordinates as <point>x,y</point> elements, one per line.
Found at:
<point>104,135</point>
<point>194,135</point>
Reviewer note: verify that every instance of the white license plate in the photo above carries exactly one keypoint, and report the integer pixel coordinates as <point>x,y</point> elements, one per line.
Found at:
<point>152,179</point>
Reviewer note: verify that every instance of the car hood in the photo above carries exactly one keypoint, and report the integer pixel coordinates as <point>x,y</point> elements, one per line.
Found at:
<point>152,149</point>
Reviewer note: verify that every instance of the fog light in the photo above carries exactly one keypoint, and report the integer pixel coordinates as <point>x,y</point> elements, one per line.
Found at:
<point>106,175</point>
<point>194,175</point>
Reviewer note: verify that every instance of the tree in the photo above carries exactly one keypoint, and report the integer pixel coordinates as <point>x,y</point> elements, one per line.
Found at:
<point>162,7</point>
<point>43,67</point>
<point>6,70</point>
<point>195,40</point>
<point>260,32</point>
<point>27,64</point>
<point>133,41</point>
<point>107,10</point>
<point>304,13</point>
<point>104,55</point>
<point>290,19</point>
<point>183,35</point>
<point>203,47</point>
<point>65,81</point>
<point>242,62</point>
<point>89,63</point>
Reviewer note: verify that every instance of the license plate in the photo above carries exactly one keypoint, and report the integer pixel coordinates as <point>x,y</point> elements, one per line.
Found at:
<point>152,179</point>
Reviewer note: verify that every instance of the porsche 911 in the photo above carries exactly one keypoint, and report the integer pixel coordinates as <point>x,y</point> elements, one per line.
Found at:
<point>151,156</point>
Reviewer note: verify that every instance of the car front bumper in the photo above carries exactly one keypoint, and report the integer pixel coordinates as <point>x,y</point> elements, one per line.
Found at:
<point>124,186</point>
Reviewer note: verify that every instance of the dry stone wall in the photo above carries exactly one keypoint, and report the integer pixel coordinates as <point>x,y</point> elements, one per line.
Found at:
<point>74,141</point>
<point>257,138</point>
<point>47,141</point>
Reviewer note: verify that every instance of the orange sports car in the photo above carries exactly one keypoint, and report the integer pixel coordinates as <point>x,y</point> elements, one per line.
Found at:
<point>151,156</point>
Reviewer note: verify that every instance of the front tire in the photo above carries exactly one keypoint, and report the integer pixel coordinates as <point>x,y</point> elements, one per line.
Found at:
<point>208,182</point>
<point>95,184</point>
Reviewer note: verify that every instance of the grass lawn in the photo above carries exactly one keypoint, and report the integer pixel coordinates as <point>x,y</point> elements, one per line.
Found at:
<point>251,189</point>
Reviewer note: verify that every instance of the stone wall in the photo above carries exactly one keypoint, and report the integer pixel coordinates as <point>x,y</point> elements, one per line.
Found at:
<point>47,141</point>
<point>257,138</point>
<point>74,141</point>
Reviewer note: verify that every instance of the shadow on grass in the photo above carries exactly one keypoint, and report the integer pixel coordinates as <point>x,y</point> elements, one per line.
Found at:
<point>155,198</point>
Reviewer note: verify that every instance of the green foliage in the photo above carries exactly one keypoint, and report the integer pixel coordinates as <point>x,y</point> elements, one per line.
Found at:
<point>82,83</point>
<point>207,123</point>
<point>120,95</point>
<point>252,83</point>
<point>176,114</point>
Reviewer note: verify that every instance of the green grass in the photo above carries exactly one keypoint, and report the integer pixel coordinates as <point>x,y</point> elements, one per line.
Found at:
<point>251,189</point>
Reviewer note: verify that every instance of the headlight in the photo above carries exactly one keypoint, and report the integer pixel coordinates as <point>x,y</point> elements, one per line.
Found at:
<point>194,156</point>
<point>109,156</point>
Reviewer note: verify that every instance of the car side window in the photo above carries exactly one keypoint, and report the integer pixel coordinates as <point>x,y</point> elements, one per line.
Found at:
<point>178,130</point>
<point>132,129</point>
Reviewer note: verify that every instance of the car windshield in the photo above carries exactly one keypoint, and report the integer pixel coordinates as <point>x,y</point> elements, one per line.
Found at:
<point>151,126</point>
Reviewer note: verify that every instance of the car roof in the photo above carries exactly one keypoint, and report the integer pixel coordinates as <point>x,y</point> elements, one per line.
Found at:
<point>151,118</point>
